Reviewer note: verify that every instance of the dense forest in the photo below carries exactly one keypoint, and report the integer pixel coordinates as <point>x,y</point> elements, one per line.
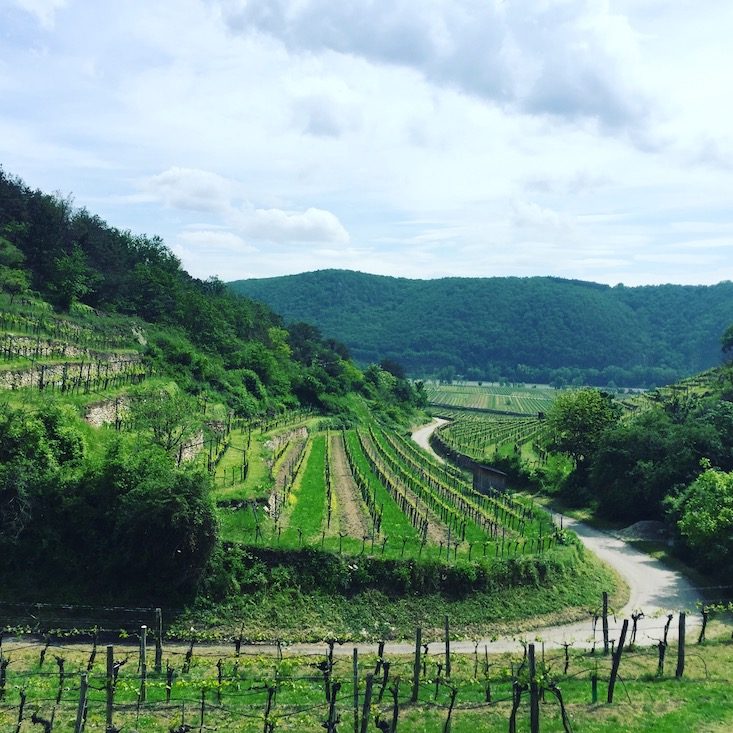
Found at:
<point>538,329</point>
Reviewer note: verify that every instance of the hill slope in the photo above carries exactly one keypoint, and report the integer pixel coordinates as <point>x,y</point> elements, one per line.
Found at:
<point>537,328</point>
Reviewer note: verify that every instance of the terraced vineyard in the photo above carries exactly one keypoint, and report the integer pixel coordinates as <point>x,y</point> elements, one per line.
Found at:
<point>82,354</point>
<point>519,400</point>
<point>484,437</point>
<point>490,421</point>
<point>371,491</point>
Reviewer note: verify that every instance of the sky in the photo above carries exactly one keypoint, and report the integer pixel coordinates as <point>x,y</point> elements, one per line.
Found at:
<point>588,139</point>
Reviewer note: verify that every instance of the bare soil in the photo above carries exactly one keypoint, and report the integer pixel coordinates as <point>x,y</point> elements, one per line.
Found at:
<point>352,517</point>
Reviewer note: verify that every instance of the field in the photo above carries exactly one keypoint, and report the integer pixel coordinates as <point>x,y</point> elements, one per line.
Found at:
<point>515,399</point>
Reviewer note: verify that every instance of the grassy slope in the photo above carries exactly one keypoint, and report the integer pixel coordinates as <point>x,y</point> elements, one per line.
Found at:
<point>290,614</point>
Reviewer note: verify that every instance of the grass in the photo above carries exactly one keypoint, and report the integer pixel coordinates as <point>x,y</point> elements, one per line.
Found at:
<point>228,483</point>
<point>307,501</point>
<point>281,610</point>
<point>258,481</point>
<point>394,522</point>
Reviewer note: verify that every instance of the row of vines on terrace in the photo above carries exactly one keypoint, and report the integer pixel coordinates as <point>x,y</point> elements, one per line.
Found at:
<point>371,491</point>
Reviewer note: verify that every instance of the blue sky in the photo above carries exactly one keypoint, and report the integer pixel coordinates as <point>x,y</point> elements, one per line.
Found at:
<point>587,139</point>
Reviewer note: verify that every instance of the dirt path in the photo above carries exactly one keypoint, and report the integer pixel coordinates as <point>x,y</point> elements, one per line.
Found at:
<point>352,517</point>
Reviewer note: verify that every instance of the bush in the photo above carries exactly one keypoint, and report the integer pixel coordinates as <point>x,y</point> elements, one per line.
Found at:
<point>311,570</point>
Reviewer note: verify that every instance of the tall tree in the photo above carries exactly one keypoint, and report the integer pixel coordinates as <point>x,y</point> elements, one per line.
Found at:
<point>727,340</point>
<point>578,418</point>
<point>73,278</point>
<point>705,521</point>
<point>168,415</point>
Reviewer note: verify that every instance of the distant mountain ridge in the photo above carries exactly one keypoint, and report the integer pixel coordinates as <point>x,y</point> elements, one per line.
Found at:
<point>535,328</point>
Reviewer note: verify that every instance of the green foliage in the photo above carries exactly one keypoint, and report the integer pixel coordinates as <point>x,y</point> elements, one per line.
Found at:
<point>168,416</point>
<point>642,460</point>
<point>13,282</point>
<point>726,340</point>
<point>538,329</point>
<point>577,420</point>
<point>109,525</point>
<point>310,570</point>
<point>72,279</point>
<point>705,517</point>
<point>162,519</point>
<point>206,337</point>
<point>13,279</point>
<point>392,396</point>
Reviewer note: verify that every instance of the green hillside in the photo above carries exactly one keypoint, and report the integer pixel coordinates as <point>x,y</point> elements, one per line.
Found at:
<point>521,329</point>
<point>130,393</point>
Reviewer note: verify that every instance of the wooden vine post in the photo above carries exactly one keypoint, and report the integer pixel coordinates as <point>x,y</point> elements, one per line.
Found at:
<point>681,647</point>
<point>109,687</point>
<point>416,666</point>
<point>143,662</point>
<point>604,619</point>
<point>534,695</point>
<point>367,703</point>
<point>158,641</point>
<point>447,648</point>
<point>82,707</point>
<point>617,660</point>
<point>356,689</point>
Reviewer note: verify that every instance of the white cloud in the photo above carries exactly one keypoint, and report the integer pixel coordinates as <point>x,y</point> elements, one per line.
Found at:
<point>530,215</point>
<point>211,239</point>
<point>311,225</point>
<point>567,58</point>
<point>322,115</point>
<point>188,188</point>
<point>43,10</point>
<point>419,137</point>
<point>203,191</point>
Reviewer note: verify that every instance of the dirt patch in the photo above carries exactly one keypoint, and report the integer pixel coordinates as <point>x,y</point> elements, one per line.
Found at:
<point>351,515</point>
<point>645,530</point>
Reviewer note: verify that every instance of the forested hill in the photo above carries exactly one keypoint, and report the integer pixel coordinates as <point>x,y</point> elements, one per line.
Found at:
<point>211,341</point>
<point>529,329</point>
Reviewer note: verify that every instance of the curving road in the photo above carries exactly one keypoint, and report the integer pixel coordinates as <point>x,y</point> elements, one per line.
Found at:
<point>422,435</point>
<point>653,588</point>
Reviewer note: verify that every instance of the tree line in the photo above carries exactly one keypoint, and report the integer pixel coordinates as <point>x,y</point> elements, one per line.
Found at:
<point>671,461</point>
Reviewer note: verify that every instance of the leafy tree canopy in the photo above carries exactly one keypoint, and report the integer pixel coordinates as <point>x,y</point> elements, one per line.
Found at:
<point>727,340</point>
<point>577,420</point>
<point>168,415</point>
<point>705,521</point>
